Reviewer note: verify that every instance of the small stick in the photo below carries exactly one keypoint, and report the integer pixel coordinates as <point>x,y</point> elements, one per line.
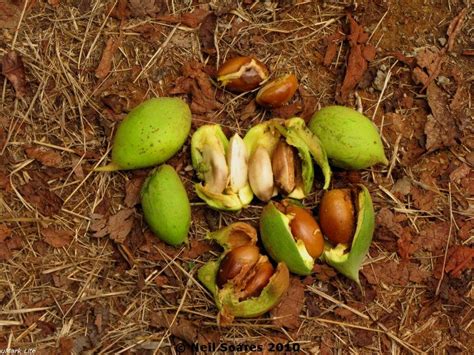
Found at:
<point>447,241</point>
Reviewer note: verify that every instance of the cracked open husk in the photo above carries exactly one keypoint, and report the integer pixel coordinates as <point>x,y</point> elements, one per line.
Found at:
<point>225,186</point>
<point>348,259</point>
<point>279,242</point>
<point>293,131</point>
<point>229,298</point>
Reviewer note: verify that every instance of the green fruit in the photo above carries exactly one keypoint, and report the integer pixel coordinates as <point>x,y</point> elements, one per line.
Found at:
<point>349,262</point>
<point>350,139</point>
<point>150,134</point>
<point>279,243</point>
<point>166,205</point>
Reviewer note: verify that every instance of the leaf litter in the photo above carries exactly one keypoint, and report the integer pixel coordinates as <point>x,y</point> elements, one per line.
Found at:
<point>14,70</point>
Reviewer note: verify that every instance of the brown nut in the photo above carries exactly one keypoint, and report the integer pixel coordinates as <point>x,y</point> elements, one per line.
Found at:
<point>277,92</point>
<point>263,271</point>
<point>336,216</point>
<point>237,262</point>
<point>242,74</point>
<point>283,166</point>
<point>304,227</point>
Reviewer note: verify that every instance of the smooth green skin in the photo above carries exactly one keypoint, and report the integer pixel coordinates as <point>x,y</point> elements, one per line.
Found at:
<point>150,134</point>
<point>214,136</point>
<point>350,263</point>
<point>279,243</point>
<point>299,136</point>
<point>228,303</point>
<point>166,205</point>
<point>350,139</point>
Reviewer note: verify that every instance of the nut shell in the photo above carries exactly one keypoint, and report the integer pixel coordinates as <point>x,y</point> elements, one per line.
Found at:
<point>260,279</point>
<point>336,216</point>
<point>277,92</point>
<point>283,166</point>
<point>238,261</point>
<point>304,227</point>
<point>261,174</point>
<point>241,74</point>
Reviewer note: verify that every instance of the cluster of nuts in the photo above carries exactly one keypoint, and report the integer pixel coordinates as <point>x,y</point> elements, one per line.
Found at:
<point>276,156</point>
<point>244,282</point>
<point>242,74</point>
<point>293,238</point>
<point>291,234</point>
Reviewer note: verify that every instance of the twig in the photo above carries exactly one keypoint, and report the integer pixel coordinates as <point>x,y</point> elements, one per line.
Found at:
<point>448,240</point>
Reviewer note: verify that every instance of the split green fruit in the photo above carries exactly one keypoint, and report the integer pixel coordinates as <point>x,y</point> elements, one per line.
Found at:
<point>335,219</point>
<point>242,281</point>
<point>290,234</point>
<point>350,139</point>
<point>166,205</point>
<point>222,166</point>
<point>280,158</point>
<point>150,134</point>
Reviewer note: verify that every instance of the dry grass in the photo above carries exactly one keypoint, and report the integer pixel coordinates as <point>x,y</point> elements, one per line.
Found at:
<point>103,296</point>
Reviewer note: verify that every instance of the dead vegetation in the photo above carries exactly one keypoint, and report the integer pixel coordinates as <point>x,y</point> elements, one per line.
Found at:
<point>80,271</point>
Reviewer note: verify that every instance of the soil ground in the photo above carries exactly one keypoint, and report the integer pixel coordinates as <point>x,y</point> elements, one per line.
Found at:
<point>81,273</point>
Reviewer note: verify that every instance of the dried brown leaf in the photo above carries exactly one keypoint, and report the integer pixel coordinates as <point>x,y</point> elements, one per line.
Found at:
<point>46,156</point>
<point>362,337</point>
<point>249,110</point>
<point>9,14</point>
<point>394,273</point>
<point>196,82</point>
<point>206,33</point>
<point>57,238</point>
<point>5,232</point>
<point>140,8</point>
<point>66,345</point>
<point>440,128</point>
<point>120,225</point>
<point>5,252</point>
<point>186,330</point>
<point>195,18</point>
<point>132,191</point>
<point>461,258</point>
<point>357,61</point>
<point>324,272</point>
<point>331,50</point>
<point>105,64</point>
<point>37,193</point>
<point>14,70</point>
<point>196,248</point>
<point>287,313</point>
<point>459,173</point>
<point>47,328</point>
<point>455,27</point>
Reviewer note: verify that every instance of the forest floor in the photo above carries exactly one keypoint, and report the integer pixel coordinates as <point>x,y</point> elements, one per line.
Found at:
<point>80,272</point>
